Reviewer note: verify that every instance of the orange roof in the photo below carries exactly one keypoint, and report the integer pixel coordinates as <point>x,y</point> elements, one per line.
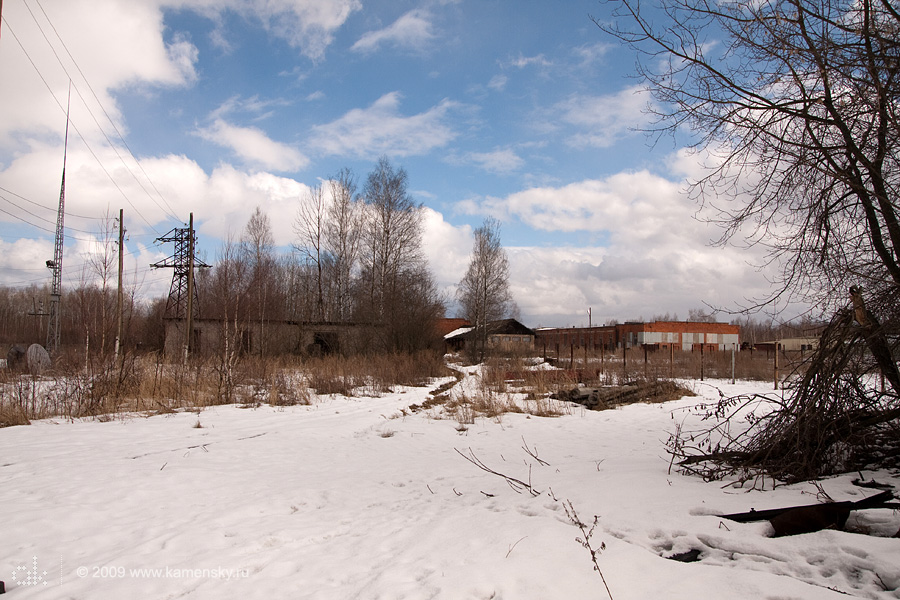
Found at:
<point>445,326</point>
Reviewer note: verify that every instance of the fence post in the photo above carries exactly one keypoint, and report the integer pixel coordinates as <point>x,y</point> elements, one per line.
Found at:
<point>645,360</point>
<point>701,362</point>
<point>733,348</point>
<point>776,365</point>
<point>671,361</point>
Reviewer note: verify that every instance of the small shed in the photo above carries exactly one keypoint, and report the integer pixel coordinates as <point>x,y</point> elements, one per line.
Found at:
<point>505,335</point>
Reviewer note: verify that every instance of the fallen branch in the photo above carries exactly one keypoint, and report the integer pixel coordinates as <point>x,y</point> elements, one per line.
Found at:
<point>876,501</point>
<point>516,484</point>
<point>808,518</point>
<point>533,454</point>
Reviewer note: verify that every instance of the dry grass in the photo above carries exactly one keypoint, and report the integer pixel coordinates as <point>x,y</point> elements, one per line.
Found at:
<point>12,415</point>
<point>149,383</point>
<point>614,368</point>
<point>372,375</point>
<point>492,405</point>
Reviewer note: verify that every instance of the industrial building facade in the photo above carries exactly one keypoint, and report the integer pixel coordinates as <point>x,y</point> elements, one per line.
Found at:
<point>656,335</point>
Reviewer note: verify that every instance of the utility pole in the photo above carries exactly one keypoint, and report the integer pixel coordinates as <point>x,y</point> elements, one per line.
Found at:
<point>119,297</point>
<point>190,292</point>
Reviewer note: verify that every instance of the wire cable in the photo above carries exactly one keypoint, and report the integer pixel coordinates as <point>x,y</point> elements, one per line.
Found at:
<point>25,210</point>
<point>75,127</point>
<point>168,208</point>
<point>39,205</point>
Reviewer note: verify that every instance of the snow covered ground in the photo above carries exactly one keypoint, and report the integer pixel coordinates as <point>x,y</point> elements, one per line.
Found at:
<point>350,498</point>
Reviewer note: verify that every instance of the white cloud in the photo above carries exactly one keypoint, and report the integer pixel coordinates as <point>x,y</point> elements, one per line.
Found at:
<point>260,109</point>
<point>640,203</point>
<point>380,129</point>
<point>412,30</point>
<point>235,195</point>
<point>502,160</point>
<point>22,261</point>
<point>254,146</point>
<point>522,61</point>
<point>498,82</point>
<point>653,256</point>
<point>179,186</point>
<point>626,282</point>
<point>305,24</point>
<point>133,53</point>
<point>602,120</point>
<point>183,56</point>
<point>591,53</point>
<point>447,248</point>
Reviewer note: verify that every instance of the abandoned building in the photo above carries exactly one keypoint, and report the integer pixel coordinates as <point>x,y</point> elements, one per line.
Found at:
<point>448,325</point>
<point>797,344</point>
<point>267,338</point>
<point>507,335</point>
<point>656,335</point>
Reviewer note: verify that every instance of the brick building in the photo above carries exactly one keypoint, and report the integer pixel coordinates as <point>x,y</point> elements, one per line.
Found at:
<point>656,335</point>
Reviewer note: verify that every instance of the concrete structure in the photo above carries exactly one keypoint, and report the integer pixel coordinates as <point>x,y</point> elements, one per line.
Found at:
<point>656,335</point>
<point>270,337</point>
<point>798,344</point>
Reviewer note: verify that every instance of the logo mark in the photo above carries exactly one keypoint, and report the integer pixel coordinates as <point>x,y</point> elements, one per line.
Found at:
<point>23,576</point>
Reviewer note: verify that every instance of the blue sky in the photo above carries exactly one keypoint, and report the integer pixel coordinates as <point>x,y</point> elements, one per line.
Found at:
<point>523,111</point>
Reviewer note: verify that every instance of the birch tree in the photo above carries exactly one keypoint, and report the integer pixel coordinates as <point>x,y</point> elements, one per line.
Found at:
<point>310,229</point>
<point>483,292</point>
<point>342,237</point>
<point>396,291</point>
<point>258,250</point>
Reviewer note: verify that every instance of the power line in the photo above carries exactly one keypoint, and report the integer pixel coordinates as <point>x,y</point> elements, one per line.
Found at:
<point>167,208</point>
<point>53,231</point>
<point>25,210</point>
<point>38,204</point>
<point>78,131</point>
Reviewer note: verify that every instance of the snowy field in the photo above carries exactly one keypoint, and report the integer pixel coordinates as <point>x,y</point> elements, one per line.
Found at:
<point>350,498</point>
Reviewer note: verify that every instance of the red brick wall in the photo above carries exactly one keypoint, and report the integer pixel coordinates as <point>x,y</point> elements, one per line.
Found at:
<point>612,336</point>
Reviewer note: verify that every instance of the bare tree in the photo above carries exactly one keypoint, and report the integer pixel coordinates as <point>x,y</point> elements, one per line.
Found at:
<point>483,292</point>
<point>342,235</point>
<point>310,229</point>
<point>95,297</point>
<point>393,232</point>
<point>795,103</point>
<point>258,248</point>
<point>701,315</point>
<point>328,228</point>
<point>394,279</point>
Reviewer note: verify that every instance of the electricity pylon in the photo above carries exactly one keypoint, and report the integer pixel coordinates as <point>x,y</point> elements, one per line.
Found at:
<point>182,302</point>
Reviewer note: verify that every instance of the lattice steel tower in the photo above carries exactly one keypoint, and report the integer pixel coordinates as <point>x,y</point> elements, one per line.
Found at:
<point>182,293</point>
<point>55,265</point>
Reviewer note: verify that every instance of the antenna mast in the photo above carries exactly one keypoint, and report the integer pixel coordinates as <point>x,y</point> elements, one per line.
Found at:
<point>55,265</point>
